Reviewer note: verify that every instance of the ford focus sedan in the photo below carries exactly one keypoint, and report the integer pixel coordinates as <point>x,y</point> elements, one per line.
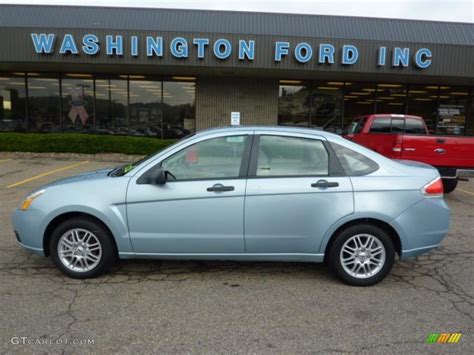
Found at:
<point>242,193</point>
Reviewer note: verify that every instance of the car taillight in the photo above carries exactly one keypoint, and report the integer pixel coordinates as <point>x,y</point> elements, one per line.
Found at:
<point>434,188</point>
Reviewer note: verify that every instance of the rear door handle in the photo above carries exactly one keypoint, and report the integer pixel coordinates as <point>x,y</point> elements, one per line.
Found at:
<point>220,188</point>
<point>325,184</point>
<point>440,150</point>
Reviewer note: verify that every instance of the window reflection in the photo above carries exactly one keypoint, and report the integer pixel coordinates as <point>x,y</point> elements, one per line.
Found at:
<point>145,108</point>
<point>391,98</point>
<point>359,100</point>
<point>12,103</point>
<point>293,105</point>
<point>423,102</point>
<point>179,118</point>
<point>78,103</point>
<point>452,110</point>
<point>326,105</point>
<point>111,106</point>
<point>43,103</point>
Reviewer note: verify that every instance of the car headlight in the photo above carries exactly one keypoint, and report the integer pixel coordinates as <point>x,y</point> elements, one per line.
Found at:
<point>30,198</point>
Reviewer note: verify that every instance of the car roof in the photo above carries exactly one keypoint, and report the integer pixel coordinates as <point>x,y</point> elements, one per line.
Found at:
<point>277,129</point>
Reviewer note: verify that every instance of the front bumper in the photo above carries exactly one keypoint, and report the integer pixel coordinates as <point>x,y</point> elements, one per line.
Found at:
<point>28,231</point>
<point>423,226</point>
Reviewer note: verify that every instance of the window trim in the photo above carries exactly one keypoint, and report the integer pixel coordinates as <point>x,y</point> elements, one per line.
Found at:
<point>334,166</point>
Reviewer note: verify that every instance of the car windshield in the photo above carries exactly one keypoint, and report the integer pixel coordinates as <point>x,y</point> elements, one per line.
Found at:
<point>355,126</point>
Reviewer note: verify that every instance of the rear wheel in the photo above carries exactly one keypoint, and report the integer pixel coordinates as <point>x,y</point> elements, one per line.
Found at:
<point>82,248</point>
<point>449,185</point>
<point>362,255</point>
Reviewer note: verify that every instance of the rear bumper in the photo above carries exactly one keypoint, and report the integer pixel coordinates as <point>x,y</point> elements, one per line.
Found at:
<point>26,225</point>
<point>422,227</point>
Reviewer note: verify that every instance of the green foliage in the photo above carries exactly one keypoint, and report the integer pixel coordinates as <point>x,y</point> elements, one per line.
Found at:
<point>80,143</point>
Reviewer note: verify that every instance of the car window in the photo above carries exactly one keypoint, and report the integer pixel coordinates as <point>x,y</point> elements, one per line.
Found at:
<point>381,125</point>
<point>210,159</point>
<point>290,156</point>
<point>353,163</point>
<point>355,126</point>
<point>398,125</point>
<point>414,126</point>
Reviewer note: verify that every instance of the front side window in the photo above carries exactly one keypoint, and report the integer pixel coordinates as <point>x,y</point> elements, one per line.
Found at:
<point>381,125</point>
<point>290,156</point>
<point>216,158</point>
<point>353,163</point>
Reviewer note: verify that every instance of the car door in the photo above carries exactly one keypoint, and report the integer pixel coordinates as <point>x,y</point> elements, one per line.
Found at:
<point>296,190</point>
<point>200,207</point>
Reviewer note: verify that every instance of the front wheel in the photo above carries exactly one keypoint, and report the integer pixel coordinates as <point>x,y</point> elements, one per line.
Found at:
<point>362,255</point>
<point>449,185</point>
<point>82,248</point>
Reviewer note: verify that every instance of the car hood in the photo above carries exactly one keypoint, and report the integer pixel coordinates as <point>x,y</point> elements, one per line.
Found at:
<point>91,175</point>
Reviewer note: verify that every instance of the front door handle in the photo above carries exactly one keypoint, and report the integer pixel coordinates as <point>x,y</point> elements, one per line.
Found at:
<point>220,188</point>
<point>325,184</point>
<point>440,151</point>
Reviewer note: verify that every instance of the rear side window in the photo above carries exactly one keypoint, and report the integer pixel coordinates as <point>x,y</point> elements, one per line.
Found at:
<point>381,125</point>
<point>414,126</point>
<point>353,163</point>
<point>290,156</point>
<point>398,125</point>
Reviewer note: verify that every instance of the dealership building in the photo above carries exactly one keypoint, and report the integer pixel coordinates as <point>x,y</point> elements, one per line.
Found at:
<point>165,73</point>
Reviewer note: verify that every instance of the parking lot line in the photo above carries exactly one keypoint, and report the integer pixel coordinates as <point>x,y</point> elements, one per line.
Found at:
<point>4,160</point>
<point>46,174</point>
<point>466,192</point>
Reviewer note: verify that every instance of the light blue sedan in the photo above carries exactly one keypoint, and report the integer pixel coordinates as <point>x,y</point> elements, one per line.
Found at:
<point>242,193</point>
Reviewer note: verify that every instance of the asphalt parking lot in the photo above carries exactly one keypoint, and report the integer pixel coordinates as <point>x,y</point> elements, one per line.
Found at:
<point>217,307</point>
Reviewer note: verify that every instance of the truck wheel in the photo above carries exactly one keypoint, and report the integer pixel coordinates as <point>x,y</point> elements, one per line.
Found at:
<point>449,185</point>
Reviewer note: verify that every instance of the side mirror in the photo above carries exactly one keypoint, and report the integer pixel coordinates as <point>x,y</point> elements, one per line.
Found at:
<point>160,177</point>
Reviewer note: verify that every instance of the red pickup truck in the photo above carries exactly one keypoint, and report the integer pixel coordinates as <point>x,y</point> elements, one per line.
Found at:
<point>407,137</point>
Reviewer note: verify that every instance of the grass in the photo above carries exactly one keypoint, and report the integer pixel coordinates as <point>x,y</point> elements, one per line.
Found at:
<point>80,143</point>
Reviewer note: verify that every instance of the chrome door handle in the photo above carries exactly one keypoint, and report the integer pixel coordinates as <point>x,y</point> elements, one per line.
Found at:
<point>324,184</point>
<point>410,149</point>
<point>440,151</point>
<point>220,188</point>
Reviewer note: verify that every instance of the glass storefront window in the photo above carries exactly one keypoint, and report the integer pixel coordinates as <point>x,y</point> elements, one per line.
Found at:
<point>111,106</point>
<point>78,103</point>
<point>179,118</point>
<point>12,103</point>
<point>470,121</point>
<point>423,102</point>
<point>43,103</point>
<point>145,107</point>
<point>359,100</point>
<point>452,110</point>
<point>391,98</point>
<point>294,104</point>
<point>326,105</point>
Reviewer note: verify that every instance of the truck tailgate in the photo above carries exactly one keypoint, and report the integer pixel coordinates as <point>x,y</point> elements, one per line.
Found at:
<point>441,151</point>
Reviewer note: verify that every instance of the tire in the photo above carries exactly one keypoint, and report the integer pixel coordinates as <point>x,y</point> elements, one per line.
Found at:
<point>371,266</point>
<point>82,259</point>
<point>449,185</point>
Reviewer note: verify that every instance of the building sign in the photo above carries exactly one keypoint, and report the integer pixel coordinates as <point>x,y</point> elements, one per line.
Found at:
<point>222,49</point>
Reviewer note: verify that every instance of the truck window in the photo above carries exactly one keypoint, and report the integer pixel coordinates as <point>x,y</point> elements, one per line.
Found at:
<point>414,126</point>
<point>398,125</point>
<point>355,126</point>
<point>381,125</point>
